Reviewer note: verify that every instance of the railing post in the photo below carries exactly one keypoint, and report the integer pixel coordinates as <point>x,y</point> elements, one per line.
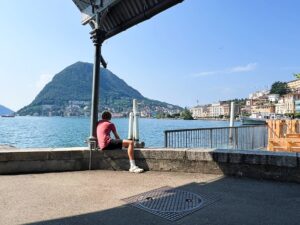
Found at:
<point>166,139</point>
<point>236,137</point>
<point>265,136</point>
<point>210,138</point>
<point>186,138</point>
<point>252,138</point>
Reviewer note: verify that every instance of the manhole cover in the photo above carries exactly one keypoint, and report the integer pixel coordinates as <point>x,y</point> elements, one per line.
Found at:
<point>170,203</point>
<point>169,200</point>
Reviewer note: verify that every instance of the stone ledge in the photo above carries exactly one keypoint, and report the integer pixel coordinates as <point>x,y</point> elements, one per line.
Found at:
<point>43,154</point>
<point>256,164</point>
<point>258,157</point>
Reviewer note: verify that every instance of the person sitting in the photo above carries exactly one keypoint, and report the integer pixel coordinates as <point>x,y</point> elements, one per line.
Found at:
<point>105,142</point>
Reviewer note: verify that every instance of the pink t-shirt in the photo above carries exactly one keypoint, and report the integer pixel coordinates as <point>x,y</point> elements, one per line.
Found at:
<point>104,128</point>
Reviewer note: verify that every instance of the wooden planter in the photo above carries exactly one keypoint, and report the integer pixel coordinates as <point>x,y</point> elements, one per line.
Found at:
<point>284,135</point>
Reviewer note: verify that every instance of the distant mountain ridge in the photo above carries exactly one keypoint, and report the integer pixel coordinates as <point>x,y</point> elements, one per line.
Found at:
<point>5,111</point>
<point>69,93</point>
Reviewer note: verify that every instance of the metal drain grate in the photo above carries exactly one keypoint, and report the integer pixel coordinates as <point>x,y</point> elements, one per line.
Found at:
<point>169,203</point>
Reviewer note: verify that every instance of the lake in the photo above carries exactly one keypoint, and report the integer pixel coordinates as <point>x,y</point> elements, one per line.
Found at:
<point>25,132</point>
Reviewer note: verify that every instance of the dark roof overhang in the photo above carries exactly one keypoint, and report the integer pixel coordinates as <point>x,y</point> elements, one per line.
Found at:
<point>122,14</point>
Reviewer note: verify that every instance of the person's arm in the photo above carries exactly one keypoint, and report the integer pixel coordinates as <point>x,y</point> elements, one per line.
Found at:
<point>116,134</point>
<point>114,130</point>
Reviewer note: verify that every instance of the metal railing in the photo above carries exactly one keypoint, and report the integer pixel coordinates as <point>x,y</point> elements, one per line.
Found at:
<point>242,137</point>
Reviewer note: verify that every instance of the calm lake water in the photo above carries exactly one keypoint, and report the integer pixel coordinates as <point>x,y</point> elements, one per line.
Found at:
<point>25,132</point>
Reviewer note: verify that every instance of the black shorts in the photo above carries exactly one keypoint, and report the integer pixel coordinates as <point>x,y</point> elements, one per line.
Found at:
<point>114,144</point>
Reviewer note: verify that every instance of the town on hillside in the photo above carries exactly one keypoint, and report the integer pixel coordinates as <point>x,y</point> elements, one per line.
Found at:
<point>281,101</point>
<point>82,109</point>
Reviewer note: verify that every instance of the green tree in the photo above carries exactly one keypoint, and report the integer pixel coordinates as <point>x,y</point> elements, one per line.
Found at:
<point>186,114</point>
<point>280,88</point>
<point>297,75</point>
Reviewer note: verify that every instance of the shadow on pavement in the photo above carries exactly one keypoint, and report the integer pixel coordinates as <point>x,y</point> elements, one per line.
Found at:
<point>242,201</point>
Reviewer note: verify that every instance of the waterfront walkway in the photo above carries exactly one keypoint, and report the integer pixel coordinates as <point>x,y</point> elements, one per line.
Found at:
<point>95,197</point>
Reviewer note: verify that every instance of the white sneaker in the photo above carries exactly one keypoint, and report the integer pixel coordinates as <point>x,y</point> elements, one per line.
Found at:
<point>136,169</point>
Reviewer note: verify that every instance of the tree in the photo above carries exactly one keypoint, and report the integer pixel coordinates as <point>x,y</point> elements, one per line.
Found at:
<point>186,114</point>
<point>280,88</point>
<point>297,75</point>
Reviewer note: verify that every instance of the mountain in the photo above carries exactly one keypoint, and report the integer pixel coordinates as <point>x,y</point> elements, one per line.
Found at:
<point>69,93</point>
<point>5,111</point>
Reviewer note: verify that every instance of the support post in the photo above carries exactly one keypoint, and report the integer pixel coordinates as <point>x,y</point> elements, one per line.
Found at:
<point>95,97</point>
<point>97,36</point>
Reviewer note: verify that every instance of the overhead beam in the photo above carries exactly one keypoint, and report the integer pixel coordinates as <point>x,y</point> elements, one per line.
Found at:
<point>147,14</point>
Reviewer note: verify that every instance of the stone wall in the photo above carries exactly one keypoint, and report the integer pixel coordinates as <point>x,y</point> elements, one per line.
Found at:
<point>253,164</point>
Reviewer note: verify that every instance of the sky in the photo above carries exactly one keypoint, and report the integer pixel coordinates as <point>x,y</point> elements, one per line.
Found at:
<point>197,52</point>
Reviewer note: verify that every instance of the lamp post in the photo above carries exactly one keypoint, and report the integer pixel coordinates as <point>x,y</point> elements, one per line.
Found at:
<point>98,37</point>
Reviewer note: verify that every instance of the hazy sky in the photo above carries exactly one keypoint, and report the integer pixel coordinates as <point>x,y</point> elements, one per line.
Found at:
<point>199,50</point>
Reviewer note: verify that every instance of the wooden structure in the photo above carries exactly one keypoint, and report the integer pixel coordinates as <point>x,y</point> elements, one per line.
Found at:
<point>284,135</point>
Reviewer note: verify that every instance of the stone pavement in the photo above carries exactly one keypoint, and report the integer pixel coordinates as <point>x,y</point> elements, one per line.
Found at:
<point>95,197</point>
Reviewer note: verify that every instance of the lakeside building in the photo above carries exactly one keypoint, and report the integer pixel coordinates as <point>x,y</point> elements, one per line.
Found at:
<point>280,107</point>
<point>201,111</point>
<point>297,106</point>
<point>289,101</point>
<point>216,110</point>
<point>264,110</point>
<point>294,85</point>
<point>273,97</point>
<point>259,103</point>
<point>259,94</point>
<point>220,109</point>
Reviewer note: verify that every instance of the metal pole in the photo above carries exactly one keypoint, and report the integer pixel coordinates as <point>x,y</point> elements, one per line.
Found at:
<point>231,124</point>
<point>95,97</point>
<point>211,143</point>
<point>236,138</point>
<point>97,35</point>
<point>166,140</point>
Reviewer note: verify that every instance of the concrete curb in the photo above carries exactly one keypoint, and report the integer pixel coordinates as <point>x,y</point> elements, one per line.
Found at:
<point>255,164</point>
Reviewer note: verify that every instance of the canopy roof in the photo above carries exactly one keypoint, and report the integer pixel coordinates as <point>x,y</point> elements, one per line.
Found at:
<point>123,14</point>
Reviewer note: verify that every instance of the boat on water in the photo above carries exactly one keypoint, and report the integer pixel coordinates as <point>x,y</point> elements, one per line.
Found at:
<point>253,121</point>
<point>7,115</point>
<point>259,119</point>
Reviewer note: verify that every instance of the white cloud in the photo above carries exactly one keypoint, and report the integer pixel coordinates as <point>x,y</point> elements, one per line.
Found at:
<point>237,69</point>
<point>42,81</point>
<point>207,73</point>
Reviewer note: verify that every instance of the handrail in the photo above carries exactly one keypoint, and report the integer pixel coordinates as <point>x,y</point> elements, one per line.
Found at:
<point>208,128</point>
<point>239,137</point>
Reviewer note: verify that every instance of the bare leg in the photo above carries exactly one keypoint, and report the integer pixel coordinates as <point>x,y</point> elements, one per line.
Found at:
<point>129,144</point>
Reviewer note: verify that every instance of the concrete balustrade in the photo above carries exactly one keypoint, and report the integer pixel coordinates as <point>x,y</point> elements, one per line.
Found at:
<point>281,166</point>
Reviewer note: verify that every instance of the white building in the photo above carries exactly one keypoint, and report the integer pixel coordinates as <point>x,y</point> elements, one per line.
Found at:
<point>200,111</point>
<point>258,94</point>
<point>280,107</point>
<point>294,84</point>
<point>216,110</point>
<point>273,97</point>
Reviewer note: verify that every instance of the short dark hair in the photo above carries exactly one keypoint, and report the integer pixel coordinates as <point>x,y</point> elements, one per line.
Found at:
<point>106,115</point>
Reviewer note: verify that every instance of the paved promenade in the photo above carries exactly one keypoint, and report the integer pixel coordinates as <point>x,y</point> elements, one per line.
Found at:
<point>95,197</point>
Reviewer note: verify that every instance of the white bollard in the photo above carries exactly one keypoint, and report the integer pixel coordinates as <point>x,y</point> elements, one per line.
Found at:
<point>130,127</point>
<point>135,121</point>
<point>136,128</point>
<point>231,124</point>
